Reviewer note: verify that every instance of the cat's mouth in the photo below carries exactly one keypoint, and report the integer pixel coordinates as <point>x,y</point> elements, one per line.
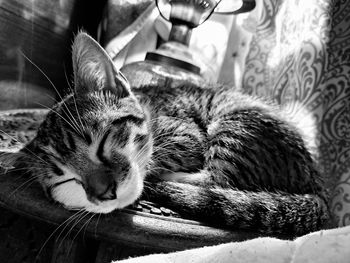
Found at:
<point>72,195</point>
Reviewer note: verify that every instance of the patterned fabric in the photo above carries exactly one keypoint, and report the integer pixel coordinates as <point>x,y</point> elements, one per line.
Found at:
<point>301,52</point>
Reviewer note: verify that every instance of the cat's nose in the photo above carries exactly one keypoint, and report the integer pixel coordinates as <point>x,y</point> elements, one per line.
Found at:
<point>110,192</point>
<point>101,186</point>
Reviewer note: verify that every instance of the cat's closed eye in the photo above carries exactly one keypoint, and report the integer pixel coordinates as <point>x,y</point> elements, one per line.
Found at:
<point>100,149</point>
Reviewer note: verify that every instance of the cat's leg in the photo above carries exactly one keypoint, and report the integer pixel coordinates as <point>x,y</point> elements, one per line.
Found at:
<point>260,211</point>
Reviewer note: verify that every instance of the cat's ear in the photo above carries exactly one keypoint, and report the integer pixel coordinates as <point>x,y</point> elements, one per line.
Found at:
<point>94,69</point>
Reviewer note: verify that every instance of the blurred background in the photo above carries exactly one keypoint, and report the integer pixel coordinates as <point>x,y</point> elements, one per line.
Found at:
<point>35,40</point>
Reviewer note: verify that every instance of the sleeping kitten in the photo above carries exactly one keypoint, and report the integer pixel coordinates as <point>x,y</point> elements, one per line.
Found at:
<point>208,152</point>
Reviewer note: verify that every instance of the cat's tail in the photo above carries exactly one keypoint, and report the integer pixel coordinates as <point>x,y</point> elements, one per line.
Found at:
<point>266,212</point>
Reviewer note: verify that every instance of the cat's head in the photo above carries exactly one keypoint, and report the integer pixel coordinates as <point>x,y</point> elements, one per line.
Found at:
<point>93,148</point>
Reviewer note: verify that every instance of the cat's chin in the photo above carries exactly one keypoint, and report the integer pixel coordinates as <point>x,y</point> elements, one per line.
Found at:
<point>73,196</point>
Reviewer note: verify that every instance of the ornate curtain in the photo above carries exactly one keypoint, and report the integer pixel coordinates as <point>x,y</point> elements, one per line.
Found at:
<point>301,52</point>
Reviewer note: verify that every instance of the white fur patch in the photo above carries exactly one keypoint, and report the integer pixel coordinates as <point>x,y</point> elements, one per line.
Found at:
<point>92,150</point>
<point>181,177</point>
<point>129,190</point>
<point>71,195</point>
<point>305,123</point>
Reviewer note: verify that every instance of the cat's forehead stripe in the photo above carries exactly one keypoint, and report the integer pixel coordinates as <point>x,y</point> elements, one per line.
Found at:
<point>129,118</point>
<point>100,148</point>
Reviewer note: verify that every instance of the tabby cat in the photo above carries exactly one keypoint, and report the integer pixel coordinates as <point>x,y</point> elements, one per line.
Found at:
<point>207,152</point>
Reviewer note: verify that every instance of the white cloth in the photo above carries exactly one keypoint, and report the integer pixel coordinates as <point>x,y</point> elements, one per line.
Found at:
<point>323,246</point>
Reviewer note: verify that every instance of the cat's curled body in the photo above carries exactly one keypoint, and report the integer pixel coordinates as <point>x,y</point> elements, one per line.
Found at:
<point>209,152</point>
<point>240,162</point>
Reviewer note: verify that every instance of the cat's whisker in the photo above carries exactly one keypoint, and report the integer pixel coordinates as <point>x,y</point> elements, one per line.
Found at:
<point>58,93</point>
<point>65,75</point>
<point>72,125</point>
<point>85,225</point>
<point>15,170</point>
<point>97,221</point>
<point>80,128</point>
<point>51,109</point>
<point>142,151</point>
<point>160,132</point>
<point>162,153</point>
<point>19,176</point>
<point>15,139</point>
<point>27,184</point>
<point>79,117</point>
<point>23,186</point>
<point>163,145</point>
<point>26,169</point>
<point>66,222</point>
<point>74,122</point>
<point>71,118</point>
<point>74,100</point>
<point>41,71</point>
<point>78,220</point>
<point>163,134</point>
<point>50,97</point>
<point>29,168</point>
<point>72,218</point>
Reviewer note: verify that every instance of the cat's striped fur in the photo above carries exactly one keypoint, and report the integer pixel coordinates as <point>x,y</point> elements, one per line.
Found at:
<point>208,152</point>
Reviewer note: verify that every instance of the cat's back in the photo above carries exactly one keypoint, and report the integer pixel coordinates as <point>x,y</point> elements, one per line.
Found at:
<point>260,137</point>
<point>205,102</point>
